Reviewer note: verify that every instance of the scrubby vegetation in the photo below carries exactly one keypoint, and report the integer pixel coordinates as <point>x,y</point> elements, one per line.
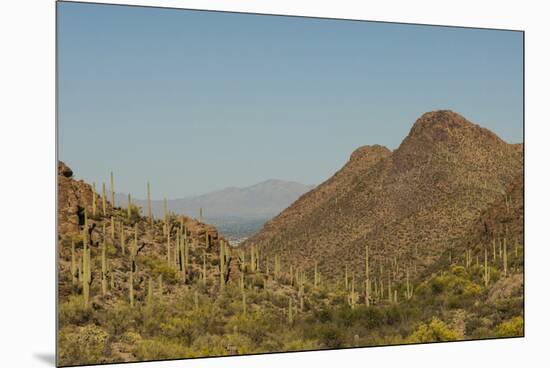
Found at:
<point>235,302</point>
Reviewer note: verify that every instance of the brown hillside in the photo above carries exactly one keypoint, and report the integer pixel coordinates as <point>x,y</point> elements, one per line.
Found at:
<point>76,195</point>
<point>501,221</point>
<point>408,205</point>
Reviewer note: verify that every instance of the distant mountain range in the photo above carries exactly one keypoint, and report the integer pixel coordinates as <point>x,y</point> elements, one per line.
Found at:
<point>236,211</point>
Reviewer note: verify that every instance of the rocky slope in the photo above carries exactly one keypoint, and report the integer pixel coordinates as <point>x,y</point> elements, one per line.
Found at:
<point>409,205</point>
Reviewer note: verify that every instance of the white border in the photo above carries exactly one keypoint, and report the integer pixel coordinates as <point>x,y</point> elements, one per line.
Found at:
<point>27,149</point>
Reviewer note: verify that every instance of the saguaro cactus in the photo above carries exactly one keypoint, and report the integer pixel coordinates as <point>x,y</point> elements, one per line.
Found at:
<point>244,302</point>
<point>277,267</point>
<point>252,259</point>
<point>315,276</point>
<point>352,293</point>
<point>112,189</point>
<point>486,271</point>
<point>104,199</point>
<point>222,266</point>
<point>168,253</point>
<point>122,240</point>
<point>150,293</point>
<point>149,209</point>
<point>390,295</point>
<point>290,316</point>
<point>103,269</point>
<point>131,287</point>
<point>74,275</point>
<point>409,290</point>
<point>112,276</point>
<point>86,275</point>
<point>113,229</point>
<point>346,283</point>
<point>505,257</point>
<point>204,267</point>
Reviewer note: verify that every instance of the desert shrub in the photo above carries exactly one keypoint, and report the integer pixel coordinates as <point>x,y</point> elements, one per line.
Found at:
<point>160,267</point>
<point>258,281</point>
<point>177,328</point>
<point>300,345</point>
<point>482,333</point>
<point>329,335</point>
<point>73,312</point>
<point>511,327</point>
<point>321,315</point>
<point>208,345</point>
<point>159,348</point>
<point>81,345</point>
<point>135,213</point>
<point>435,331</point>
<point>255,325</point>
<point>118,318</point>
<point>239,343</point>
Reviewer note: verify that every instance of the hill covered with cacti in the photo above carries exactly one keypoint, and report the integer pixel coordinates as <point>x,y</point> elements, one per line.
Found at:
<point>422,244</point>
<point>409,205</point>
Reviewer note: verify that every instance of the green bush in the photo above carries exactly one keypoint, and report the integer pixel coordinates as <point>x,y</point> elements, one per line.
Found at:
<point>159,348</point>
<point>82,345</point>
<point>435,331</point>
<point>511,327</point>
<point>73,312</point>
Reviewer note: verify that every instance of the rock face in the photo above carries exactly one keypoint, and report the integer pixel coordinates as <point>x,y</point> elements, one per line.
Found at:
<point>407,205</point>
<point>76,195</point>
<point>72,197</point>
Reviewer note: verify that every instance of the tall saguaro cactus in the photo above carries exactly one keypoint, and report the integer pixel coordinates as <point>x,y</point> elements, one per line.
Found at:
<point>168,255</point>
<point>409,290</point>
<point>222,266</point>
<point>149,209</point>
<point>122,240</point>
<point>74,271</point>
<point>290,315</point>
<point>346,283</point>
<point>104,269</point>
<point>112,189</point>
<point>131,288</point>
<point>315,276</point>
<point>150,293</point>
<point>244,302</point>
<point>104,199</point>
<point>86,269</point>
<point>113,229</point>
<point>505,257</point>
<point>486,270</point>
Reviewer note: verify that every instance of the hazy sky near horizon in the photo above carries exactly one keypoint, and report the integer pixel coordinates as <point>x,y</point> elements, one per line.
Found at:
<point>199,101</point>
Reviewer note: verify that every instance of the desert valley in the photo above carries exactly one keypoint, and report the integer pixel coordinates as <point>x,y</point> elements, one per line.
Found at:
<point>420,244</point>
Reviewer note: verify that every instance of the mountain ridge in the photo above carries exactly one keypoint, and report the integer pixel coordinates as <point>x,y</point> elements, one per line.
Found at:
<point>410,203</point>
<point>256,202</point>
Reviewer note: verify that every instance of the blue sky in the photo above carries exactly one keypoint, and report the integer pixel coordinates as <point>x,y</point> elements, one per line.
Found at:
<point>198,101</point>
